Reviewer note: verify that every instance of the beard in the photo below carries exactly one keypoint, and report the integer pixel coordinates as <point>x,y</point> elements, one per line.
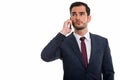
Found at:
<point>80,27</point>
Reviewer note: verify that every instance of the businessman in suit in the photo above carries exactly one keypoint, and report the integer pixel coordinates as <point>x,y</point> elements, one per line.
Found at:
<point>85,56</point>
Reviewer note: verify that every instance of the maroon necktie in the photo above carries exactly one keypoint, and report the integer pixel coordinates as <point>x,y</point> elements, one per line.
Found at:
<point>83,50</point>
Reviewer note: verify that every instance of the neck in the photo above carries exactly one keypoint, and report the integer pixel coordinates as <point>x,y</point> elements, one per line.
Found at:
<point>81,32</point>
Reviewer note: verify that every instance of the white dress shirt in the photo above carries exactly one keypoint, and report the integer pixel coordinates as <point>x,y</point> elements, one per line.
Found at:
<point>87,43</point>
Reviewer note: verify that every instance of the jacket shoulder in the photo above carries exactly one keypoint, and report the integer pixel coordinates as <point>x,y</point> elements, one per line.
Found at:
<point>97,36</point>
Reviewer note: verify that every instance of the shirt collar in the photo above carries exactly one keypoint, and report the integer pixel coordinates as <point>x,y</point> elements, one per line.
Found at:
<point>87,36</point>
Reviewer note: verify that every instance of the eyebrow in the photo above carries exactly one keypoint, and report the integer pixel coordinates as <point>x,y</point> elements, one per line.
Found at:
<point>78,12</point>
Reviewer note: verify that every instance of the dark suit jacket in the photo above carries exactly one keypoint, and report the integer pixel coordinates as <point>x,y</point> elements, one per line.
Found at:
<point>100,65</point>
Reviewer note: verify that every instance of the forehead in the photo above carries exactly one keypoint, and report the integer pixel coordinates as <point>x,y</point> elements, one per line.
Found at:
<point>78,9</point>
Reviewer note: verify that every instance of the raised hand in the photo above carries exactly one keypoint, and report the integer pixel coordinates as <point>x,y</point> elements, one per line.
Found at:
<point>66,27</point>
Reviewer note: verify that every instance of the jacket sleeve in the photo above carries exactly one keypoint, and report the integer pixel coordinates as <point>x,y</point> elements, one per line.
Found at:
<point>107,67</point>
<point>52,49</point>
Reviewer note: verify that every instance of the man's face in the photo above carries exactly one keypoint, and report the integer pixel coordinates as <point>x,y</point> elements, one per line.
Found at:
<point>79,17</point>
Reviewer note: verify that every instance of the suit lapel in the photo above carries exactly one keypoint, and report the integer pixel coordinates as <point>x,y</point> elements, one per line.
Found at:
<point>93,47</point>
<point>76,49</point>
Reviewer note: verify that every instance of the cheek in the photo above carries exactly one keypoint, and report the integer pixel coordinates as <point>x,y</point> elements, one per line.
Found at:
<point>84,19</point>
<point>73,20</point>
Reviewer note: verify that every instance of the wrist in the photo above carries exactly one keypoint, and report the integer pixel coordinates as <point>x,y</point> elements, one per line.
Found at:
<point>63,32</point>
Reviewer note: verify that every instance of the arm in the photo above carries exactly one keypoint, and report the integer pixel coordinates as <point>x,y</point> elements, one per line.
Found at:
<point>52,50</point>
<point>107,68</point>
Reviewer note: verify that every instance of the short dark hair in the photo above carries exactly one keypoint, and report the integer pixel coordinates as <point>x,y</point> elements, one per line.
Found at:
<point>80,4</point>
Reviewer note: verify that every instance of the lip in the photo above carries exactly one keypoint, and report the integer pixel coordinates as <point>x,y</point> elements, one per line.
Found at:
<point>78,23</point>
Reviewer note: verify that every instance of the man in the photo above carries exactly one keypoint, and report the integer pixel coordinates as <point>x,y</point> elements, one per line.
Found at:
<point>85,56</point>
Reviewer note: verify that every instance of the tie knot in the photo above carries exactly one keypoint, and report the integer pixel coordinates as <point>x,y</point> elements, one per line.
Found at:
<point>82,38</point>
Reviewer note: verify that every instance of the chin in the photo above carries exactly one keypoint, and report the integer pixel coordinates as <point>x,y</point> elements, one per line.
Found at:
<point>79,27</point>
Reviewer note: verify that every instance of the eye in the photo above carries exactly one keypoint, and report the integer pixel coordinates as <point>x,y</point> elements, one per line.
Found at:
<point>82,13</point>
<point>73,14</point>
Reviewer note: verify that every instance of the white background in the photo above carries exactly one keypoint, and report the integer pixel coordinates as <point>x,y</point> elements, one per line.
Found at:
<point>26,26</point>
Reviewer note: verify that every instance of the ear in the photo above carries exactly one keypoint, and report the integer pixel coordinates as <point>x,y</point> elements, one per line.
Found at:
<point>89,18</point>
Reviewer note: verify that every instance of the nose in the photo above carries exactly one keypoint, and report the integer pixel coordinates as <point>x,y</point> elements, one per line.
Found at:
<point>78,17</point>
